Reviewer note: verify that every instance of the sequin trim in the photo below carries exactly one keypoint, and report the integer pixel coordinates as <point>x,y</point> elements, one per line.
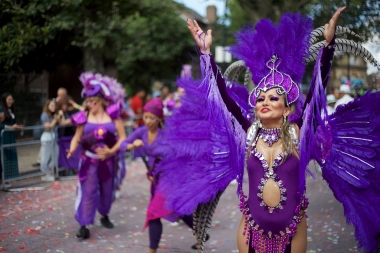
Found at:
<point>269,242</point>
<point>270,173</point>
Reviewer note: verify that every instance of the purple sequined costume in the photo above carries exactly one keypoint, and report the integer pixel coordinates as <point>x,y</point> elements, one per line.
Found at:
<point>270,229</point>
<point>97,179</point>
<point>207,132</point>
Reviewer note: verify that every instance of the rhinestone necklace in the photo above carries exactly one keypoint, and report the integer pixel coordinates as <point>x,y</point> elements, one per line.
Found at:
<point>270,136</point>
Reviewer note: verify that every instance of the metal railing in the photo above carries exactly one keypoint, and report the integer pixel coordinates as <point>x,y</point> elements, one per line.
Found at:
<point>17,156</point>
<point>14,168</point>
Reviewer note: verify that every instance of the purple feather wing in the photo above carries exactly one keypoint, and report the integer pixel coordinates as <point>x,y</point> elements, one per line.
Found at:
<point>204,144</point>
<point>352,167</point>
<point>240,95</point>
<point>347,146</point>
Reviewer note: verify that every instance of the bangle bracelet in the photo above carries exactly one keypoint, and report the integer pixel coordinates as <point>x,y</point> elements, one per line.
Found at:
<point>78,107</point>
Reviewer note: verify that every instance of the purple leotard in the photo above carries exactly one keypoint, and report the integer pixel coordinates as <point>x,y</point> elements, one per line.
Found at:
<point>271,228</point>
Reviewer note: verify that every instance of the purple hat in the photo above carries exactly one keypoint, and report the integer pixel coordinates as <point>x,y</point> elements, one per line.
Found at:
<point>102,86</point>
<point>155,106</point>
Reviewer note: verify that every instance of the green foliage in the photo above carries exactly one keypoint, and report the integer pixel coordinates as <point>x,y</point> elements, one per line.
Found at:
<point>27,26</point>
<point>361,16</point>
<point>238,18</point>
<point>156,39</point>
<point>142,39</point>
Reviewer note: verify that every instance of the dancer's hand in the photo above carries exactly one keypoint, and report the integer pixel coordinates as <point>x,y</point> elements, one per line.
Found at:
<point>138,143</point>
<point>203,41</point>
<point>69,153</point>
<point>103,152</point>
<point>330,27</point>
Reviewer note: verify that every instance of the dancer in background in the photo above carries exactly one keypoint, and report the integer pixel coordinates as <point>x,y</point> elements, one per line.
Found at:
<point>149,138</point>
<point>99,126</point>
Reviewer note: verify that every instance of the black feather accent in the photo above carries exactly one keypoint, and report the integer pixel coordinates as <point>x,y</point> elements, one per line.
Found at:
<point>203,220</point>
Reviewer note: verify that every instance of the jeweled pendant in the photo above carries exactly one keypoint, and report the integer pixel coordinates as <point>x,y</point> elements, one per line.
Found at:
<point>270,136</point>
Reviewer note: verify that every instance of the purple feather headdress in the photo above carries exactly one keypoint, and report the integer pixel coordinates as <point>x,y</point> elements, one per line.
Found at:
<point>275,54</point>
<point>102,86</point>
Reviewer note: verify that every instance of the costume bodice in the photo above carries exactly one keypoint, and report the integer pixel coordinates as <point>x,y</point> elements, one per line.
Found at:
<point>288,175</point>
<point>271,227</point>
<point>90,127</point>
<point>96,135</point>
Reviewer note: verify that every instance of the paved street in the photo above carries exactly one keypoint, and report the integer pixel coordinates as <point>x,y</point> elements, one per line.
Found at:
<point>42,221</point>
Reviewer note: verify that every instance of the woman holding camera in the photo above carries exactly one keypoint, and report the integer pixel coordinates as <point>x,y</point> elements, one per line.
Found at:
<point>49,146</point>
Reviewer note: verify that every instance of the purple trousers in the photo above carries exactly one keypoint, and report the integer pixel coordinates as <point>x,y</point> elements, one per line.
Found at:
<point>93,193</point>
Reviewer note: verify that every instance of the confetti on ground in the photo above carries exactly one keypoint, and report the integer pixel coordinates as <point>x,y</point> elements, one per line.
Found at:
<point>43,221</point>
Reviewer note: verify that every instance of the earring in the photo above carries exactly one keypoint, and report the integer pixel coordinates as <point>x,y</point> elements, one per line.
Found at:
<point>284,120</point>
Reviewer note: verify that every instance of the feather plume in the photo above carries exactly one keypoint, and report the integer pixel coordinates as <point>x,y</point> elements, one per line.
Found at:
<point>203,220</point>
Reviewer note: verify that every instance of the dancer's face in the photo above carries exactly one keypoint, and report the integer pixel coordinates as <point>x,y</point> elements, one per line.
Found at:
<point>271,108</point>
<point>150,120</point>
<point>93,104</point>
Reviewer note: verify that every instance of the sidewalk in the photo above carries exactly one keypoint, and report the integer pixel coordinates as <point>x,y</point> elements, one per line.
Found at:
<point>42,221</point>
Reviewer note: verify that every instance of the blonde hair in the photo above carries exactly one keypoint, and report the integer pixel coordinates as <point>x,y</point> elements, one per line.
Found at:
<point>287,142</point>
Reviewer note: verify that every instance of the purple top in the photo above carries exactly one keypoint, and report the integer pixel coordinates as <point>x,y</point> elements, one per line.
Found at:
<point>326,61</point>
<point>80,117</point>
<point>90,141</point>
<point>152,151</point>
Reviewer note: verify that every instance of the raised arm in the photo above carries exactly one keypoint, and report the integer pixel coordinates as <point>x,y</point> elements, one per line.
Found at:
<point>204,41</point>
<point>328,50</point>
<point>326,57</point>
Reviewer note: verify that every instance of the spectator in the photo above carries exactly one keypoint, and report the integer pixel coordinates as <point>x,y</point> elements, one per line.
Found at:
<point>65,134</point>
<point>72,105</point>
<point>49,147</point>
<point>61,94</point>
<point>9,137</point>
<point>164,92</point>
<point>336,93</point>
<point>64,120</point>
<point>330,103</point>
<point>148,97</point>
<point>169,104</point>
<point>344,95</point>
<point>1,121</point>
<point>137,106</point>
<point>177,96</point>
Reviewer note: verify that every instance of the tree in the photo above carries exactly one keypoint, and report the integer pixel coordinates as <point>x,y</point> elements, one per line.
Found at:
<point>142,39</point>
<point>156,39</point>
<point>46,29</point>
<point>361,16</point>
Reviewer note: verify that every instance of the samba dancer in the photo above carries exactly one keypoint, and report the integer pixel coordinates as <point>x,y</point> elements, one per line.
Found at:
<point>100,125</point>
